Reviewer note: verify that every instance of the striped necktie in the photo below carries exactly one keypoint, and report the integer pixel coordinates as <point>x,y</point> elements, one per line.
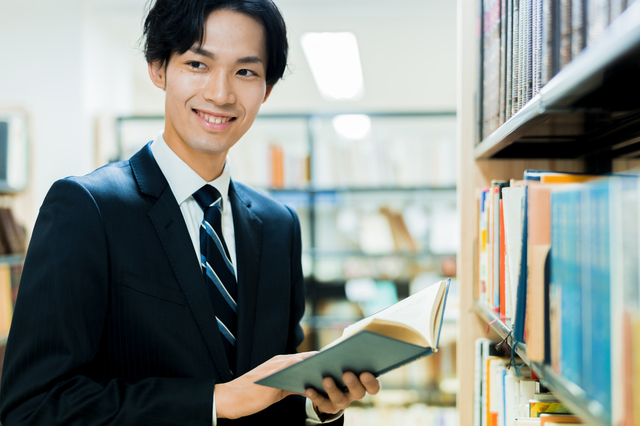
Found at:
<point>217,268</point>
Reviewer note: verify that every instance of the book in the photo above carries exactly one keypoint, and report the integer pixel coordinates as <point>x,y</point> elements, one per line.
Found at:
<point>566,279</point>
<point>564,20</point>
<point>395,336</point>
<point>624,227</point>
<point>546,419</point>
<point>596,292</point>
<point>538,246</point>
<point>512,200</point>
<point>521,285</point>
<point>578,18</point>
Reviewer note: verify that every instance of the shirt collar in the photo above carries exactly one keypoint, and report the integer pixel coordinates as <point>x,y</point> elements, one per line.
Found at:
<point>182,179</point>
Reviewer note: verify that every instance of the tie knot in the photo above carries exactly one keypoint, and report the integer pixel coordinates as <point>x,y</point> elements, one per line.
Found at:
<point>207,196</point>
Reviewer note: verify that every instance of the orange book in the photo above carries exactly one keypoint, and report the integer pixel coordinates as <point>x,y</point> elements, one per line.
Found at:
<point>538,245</point>
<point>277,166</point>
<point>565,178</point>
<point>494,419</point>
<point>551,418</point>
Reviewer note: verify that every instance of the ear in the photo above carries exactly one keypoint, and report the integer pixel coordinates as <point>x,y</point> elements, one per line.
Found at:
<point>267,93</point>
<point>157,73</point>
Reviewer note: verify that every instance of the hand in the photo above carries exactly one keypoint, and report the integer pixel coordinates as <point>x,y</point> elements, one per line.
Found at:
<point>337,399</point>
<point>242,397</point>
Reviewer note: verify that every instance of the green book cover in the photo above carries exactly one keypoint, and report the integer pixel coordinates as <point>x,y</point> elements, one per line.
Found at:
<point>395,336</point>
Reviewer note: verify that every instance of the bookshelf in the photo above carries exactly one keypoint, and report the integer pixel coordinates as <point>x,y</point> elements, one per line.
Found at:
<point>585,119</point>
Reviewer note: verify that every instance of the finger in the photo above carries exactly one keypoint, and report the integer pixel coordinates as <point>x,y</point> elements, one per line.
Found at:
<point>356,388</point>
<point>370,383</point>
<point>318,400</point>
<point>338,398</point>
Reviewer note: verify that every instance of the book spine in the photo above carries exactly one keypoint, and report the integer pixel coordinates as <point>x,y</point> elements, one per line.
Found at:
<point>509,62</point>
<point>528,72</point>
<point>496,249</point>
<point>565,33</point>
<point>598,18</point>
<point>600,383</point>
<point>586,257</point>
<point>578,41</point>
<point>521,297</point>
<point>550,46</point>
<point>478,382</point>
<point>571,285</point>
<point>515,74</point>
<point>536,46</point>
<point>503,255</point>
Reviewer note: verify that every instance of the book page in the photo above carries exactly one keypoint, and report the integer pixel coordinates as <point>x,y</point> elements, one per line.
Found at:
<point>421,311</point>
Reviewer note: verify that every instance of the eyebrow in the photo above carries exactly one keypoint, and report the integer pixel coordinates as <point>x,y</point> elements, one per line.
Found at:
<point>246,60</point>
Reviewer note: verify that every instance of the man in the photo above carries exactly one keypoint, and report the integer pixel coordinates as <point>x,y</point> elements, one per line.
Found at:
<point>142,301</point>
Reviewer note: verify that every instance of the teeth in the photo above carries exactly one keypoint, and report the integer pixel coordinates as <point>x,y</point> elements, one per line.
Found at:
<point>213,119</point>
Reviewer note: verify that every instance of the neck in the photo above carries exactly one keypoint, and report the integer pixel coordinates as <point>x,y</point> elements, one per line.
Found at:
<point>208,166</point>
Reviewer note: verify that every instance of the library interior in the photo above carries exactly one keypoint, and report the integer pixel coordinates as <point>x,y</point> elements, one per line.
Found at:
<point>417,142</point>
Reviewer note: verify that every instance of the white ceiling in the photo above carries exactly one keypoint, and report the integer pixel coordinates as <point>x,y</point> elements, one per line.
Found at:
<point>407,50</point>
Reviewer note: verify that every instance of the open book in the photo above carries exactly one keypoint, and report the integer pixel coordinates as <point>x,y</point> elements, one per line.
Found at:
<point>393,337</point>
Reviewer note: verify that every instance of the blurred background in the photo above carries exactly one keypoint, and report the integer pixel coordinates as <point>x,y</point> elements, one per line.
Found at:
<point>362,147</point>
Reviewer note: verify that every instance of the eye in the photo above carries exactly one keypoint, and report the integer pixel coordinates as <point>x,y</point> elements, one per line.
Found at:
<point>246,73</point>
<point>197,65</point>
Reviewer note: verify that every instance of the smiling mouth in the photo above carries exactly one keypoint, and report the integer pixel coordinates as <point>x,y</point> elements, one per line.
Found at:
<point>215,119</point>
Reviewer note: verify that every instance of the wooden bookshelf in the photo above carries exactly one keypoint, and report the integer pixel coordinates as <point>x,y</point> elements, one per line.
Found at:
<point>581,121</point>
<point>585,91</point>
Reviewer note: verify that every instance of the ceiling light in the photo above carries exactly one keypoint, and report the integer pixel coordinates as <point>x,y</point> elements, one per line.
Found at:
<point>335,64</point>
<point>352,126</point>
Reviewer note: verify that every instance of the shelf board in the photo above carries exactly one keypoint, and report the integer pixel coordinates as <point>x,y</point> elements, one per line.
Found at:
<point>584,97</point>
<point>360,189</point>
<point>359,253</point>
<point>571,394</point>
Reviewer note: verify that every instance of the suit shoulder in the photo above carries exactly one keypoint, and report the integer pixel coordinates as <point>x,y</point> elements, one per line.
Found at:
<point>262,203</point>
<point>107,181</point>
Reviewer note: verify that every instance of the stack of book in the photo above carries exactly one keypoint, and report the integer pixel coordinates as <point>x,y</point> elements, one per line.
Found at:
<point>558,259</point>
<point>509,396</point>
<point>524,43</point>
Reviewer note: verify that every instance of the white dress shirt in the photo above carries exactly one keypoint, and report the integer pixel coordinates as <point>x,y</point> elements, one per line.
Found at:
<point>184,181</point>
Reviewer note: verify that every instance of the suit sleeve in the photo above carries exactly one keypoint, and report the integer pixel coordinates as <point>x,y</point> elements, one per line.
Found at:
<point>56,333</point>
<point>296,335</point>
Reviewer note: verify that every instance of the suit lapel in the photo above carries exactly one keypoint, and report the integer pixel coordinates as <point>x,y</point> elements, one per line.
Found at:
<point>172,231</point>
<point>248,236</point>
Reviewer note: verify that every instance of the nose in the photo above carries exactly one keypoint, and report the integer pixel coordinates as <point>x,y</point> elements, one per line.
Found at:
<point>219,89</point>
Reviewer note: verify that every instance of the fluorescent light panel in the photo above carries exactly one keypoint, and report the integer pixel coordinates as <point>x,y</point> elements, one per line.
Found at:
<point>352,126</point>
<point>335,64</point>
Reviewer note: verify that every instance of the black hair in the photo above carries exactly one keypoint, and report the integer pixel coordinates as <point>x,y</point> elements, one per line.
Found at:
<point>176,25</point>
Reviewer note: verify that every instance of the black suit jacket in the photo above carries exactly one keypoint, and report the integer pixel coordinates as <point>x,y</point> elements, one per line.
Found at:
<point>113,323</point>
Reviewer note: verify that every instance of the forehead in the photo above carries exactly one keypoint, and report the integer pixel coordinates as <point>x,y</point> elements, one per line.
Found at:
<point>229,32</point>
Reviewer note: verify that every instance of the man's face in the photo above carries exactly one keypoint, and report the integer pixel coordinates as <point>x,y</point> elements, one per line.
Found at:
<point>214,91</point>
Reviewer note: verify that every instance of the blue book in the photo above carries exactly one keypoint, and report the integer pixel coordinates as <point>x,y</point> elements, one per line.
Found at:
<point>521,290</point>
<point>566,278</point>
<point>596,299</point>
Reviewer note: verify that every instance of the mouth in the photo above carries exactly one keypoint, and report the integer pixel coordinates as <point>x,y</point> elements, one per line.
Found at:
<point>214,119</point>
